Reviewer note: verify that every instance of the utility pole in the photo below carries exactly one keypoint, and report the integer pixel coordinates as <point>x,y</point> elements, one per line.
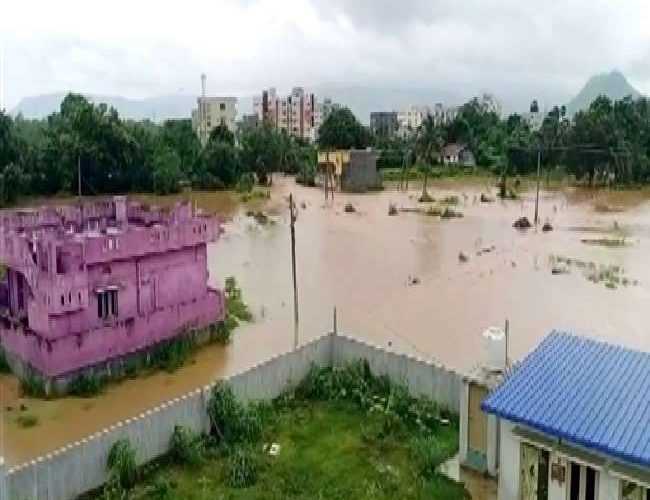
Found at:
<point>292,208</point>
<point>539,162</point>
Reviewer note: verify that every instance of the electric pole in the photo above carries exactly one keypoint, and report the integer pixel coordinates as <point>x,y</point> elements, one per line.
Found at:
<point>292,208</point>
<point>539,161</point>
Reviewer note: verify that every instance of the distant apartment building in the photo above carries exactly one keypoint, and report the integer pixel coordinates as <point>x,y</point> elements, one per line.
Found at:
<point>298,114</point>
<point>212,112</point>
<point>412,117</point>
<point>384,123</point>
<point>444,114</point>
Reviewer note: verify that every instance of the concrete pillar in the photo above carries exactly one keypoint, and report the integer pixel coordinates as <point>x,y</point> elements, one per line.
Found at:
<point>492,444</point>
<point>608,485</point>
<point>464,421</point>
<point>4,490</point>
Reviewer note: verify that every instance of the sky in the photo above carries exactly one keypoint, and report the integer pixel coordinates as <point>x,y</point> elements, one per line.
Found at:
<point>515,49</point>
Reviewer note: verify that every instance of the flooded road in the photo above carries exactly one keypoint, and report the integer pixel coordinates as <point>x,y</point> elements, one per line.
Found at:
<point>396,281</point>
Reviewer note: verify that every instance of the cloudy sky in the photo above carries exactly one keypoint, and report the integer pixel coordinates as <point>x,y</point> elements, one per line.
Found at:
<point>517,49</point>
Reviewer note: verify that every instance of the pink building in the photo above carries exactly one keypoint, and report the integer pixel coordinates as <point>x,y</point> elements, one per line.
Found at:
<point>89,284</point>
<point>298,114</point>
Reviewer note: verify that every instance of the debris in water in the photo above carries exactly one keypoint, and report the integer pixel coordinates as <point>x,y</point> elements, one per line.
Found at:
<point>303,205</point>
<point>426,198</point>
<point>560,270</point>
<point>448,213</point>
<point>392,209</point>
<point>547,227</point>
<point>486,198</point>
<point>462,257</point>
<point>522,223</point>
<point>349,208</point>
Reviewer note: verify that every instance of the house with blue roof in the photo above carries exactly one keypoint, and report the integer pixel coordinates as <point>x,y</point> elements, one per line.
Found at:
<point>574,422</point>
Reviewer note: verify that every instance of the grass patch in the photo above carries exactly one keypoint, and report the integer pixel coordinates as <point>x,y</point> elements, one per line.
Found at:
<point>340,433</point>
<point>255,194</point>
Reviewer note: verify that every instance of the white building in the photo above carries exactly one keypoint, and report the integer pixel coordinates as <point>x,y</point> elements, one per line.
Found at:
<point>574,423</point>
<point>412,117</point>
<point>212,112</point>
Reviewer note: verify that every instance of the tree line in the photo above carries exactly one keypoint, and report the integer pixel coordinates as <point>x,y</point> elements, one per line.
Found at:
<point>42,157</point>
<point>607,142</point>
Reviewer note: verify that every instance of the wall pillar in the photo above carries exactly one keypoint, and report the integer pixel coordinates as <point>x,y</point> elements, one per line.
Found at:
<point>492,451</point>
<point>464,421</point>
<point>608,485</point>
<point>4,490</point>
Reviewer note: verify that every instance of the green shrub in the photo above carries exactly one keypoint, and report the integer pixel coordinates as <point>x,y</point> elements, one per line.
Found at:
<point>242,468</point>
<point>86,385</point>
<point>33,386</point>
<point>430,454</point>
<point>245,183</point>
<point>121,464</point>
<point>4,364</point>
<point>27,420</point>
<point>235,305</point>
<point>230,421</point>
<point>186,446</point>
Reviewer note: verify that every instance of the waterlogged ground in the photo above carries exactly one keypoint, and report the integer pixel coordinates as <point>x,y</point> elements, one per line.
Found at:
<point>397,281</point>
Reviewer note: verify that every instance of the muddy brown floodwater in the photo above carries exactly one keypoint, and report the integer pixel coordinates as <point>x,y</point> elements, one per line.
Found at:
<point>395,280</point>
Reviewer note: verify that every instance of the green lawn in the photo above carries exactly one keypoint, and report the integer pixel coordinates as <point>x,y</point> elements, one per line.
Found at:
<point>328,450</point>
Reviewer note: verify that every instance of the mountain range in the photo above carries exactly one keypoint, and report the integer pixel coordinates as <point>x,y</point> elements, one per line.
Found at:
<point>361,100</point>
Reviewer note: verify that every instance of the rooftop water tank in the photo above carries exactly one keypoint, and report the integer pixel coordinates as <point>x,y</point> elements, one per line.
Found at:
<point>494,348</point>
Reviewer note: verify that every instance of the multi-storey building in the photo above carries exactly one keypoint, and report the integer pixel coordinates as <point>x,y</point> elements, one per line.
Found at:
<point>384,123</point>
<point>87,285</point>
<point>212,112</point>
<point>298,114</point>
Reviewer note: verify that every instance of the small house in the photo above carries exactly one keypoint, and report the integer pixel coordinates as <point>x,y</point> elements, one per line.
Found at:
<point>353,170</point>
<point>574,422</point>
<point>457,154</point>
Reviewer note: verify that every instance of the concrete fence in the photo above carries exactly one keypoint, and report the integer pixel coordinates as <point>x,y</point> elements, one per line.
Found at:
<point>81,466</point>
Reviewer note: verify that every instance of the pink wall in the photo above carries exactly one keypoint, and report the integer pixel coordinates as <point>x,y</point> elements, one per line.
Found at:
<point>156,260</point>
<point>69,353</point>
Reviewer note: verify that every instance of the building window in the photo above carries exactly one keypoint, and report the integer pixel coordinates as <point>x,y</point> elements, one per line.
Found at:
<point>107,304</point>
<point>222,106</point>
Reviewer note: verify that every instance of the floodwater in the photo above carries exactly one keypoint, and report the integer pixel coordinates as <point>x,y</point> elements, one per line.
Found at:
<point>396,281</point>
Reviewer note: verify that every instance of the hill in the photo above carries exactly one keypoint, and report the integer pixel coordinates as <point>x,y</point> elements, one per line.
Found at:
<point>156,108</point>
<point>613,85</point>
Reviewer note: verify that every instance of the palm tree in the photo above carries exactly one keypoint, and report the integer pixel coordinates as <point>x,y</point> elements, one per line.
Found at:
<point>428,143</point>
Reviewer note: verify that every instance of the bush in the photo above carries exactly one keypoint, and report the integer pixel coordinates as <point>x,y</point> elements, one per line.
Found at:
<point>235,305</point>
<point>4,364</point>
<point>355,382</point>
<point>86,385</point>
<point>245,183</point>
<point>242,468</point>
<point>186,446</point>
<point>430,454</point>
<point>230,421</point>
<point>122,470</point>
<point>33,386</point>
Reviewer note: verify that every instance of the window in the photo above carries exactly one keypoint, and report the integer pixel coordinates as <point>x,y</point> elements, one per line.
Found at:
<point>107,303</point>
<point>222,106</point>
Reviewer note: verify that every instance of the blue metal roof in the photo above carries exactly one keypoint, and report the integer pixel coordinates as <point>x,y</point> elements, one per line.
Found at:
<point>591,393</point>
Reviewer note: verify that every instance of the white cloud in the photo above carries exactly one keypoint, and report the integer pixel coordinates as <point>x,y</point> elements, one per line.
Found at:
<point>519,50</point>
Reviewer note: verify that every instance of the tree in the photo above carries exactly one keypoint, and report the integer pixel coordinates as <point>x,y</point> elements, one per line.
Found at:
<point>341,130</point>
<point>221,133</point>
<point>428,144</point>
<point>179,136</point>
<point>166,171</point>
<point>218,167</point>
